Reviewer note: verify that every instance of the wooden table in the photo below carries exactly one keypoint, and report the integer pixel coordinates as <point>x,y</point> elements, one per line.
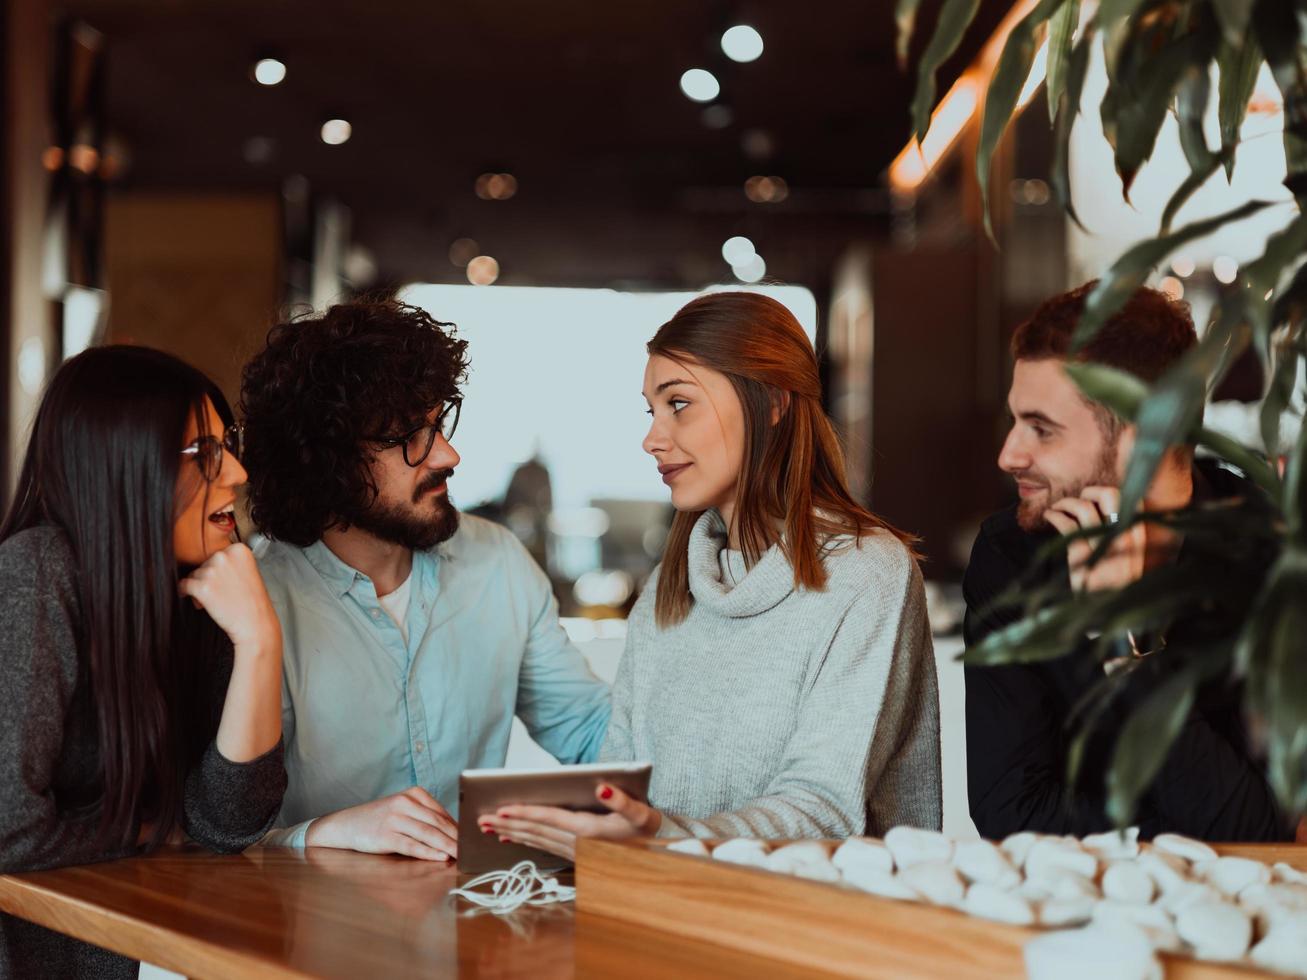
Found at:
<point>328,913</point>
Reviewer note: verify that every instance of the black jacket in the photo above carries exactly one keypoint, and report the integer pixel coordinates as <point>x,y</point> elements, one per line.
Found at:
<point>1210,787</point>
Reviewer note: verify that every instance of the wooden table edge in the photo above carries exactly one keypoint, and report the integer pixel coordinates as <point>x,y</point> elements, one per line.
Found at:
<point>131,936</point>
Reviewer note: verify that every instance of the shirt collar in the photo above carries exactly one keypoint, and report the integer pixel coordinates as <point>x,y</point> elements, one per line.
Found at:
<point>342,577</point>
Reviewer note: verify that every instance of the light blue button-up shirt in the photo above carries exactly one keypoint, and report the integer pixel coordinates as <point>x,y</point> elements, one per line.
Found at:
<point>366,714</point>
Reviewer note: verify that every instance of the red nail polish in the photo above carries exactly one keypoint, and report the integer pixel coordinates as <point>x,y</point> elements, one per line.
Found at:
<point>503,840</point>
<point>606,793</point>
<point>488,830</point>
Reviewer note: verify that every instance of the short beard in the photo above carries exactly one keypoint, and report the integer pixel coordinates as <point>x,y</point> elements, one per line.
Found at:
<point>400,524</point>
<point>1030,515</point>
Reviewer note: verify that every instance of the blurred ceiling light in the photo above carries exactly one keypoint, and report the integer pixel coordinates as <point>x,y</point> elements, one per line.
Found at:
<point>336,131</point>
<point>496,187</point>
<point>738,250</point>
<point>1225,269</point>
<point>717,116</point>
<point>700,85</point>
<point>742,43</point>
<point>750,271</point>
<point>52,158</point>
<point>259,150</point>
<point>757,144</point>
<point>1183,266</point>
<point>269,71</point>
<point>462,251</point>
<point>766,190</point>
<point>1172,286</point>
<point>948,120</point>
<point>84,157</point>
<point>482,271</point>
<point>360,266</point>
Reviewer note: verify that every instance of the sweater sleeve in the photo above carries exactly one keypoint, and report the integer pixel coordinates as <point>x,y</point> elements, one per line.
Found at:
<point>230,805</point>
<point>867,730</point>
<point>41,669</point>
<point>619,743</point>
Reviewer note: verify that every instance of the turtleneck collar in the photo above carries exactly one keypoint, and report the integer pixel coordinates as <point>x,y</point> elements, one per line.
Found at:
<point>762,588</point>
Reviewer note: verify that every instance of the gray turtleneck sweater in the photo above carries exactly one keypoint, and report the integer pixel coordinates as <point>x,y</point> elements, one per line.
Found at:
<point>781,713</point>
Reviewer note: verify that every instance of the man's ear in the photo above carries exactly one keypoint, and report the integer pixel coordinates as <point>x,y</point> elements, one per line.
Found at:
<point>780,404</point>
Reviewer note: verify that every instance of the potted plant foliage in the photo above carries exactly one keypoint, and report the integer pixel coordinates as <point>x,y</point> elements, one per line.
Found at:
<point>1160,56</point>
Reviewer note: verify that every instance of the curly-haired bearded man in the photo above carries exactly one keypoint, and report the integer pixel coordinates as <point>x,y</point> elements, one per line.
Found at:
<point>412,637</point>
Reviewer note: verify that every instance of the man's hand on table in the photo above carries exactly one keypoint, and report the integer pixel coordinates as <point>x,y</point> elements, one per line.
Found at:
<point>555,830</point>
<point>411,823</point>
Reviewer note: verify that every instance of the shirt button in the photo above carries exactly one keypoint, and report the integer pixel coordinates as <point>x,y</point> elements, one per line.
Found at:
<point>420,747</point>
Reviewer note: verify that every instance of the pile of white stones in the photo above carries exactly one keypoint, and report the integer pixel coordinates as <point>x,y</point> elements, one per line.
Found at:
<point>1175,895</point>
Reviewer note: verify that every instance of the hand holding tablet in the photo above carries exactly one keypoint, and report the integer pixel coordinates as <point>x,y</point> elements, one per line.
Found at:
<point>542,807</point>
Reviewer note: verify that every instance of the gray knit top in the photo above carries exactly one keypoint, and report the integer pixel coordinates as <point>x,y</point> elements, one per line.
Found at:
<point>774,712</point>
<point>49,757</point>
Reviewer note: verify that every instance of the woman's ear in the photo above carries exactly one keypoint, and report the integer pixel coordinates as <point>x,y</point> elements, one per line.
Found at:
<point>780,404</point>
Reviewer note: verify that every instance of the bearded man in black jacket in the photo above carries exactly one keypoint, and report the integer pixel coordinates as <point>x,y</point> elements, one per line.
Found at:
<point>1068,456</point>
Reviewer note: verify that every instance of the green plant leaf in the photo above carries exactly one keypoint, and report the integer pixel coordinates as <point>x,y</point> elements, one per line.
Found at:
<point>1145,740</point>
<point>1278,394</point>
<point>1113,10</point>
<point>954,19</point>
<point>905,18</point>
<point>1004,90</point>
<point>1233,17</point>
<point>1154,62</point>
<point>1132,269</point>
<point>1061,35</point>
<point>1295,490</point>
<point>1068,109</point>
<point>1195,180</point>
<point>1278,27</point>
<point>1191,108</point>
<point>1285,689</point>
<point>1172,410</point>
<point>1253,464</point>
<point>1085,714</point>
<point>1263,275</point>
<point>1238,75</point>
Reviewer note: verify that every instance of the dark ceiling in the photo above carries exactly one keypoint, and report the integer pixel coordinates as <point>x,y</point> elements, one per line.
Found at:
<point>620,180</point>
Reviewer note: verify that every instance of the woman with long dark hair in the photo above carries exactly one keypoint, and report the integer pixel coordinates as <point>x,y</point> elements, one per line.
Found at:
<point>140,656</point>
<point>778,669</point>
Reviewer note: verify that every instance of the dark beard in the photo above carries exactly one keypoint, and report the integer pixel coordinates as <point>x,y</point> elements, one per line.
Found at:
<point>1030,517</point>
<point>402,526</point>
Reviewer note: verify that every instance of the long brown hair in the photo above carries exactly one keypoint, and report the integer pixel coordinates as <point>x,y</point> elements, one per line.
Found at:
<point>793,471</point>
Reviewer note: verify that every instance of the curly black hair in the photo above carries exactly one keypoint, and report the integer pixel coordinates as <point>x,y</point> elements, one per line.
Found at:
<point>320,389</point>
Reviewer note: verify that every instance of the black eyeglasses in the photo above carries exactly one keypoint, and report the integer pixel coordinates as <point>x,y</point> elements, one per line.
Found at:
<point>207,450</point>
<point>417,442</point>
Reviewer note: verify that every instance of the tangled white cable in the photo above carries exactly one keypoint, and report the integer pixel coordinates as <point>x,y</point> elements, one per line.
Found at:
<point>510,890</point>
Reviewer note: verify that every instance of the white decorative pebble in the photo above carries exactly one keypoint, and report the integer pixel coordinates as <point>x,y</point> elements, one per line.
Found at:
<point>691,845</point>
<point>1125,881</point>
<point>806,859</point>
<point>1017,846</point>
<point>877,882</point>
<point>1155,923</point>
<point>1184,847</point>
<point>1114,844</point>
<point>1166,870</point>
<point>864,853</point>
<point>981,862</point>
<point>912,845</point>
<point>1047,854</point>
<point>1284,947</point>
<point>1231,875</point>
<point>935,881</point>
<point>1188,893</point>
<point>1288,873</point>
<point>993,902</point>
<point>1216,930</point>
<point>742,850</point>
<point>1091,954</point>
<point>1059,913</point>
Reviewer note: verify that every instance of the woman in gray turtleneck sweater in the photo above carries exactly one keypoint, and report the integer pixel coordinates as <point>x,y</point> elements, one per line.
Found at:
<point>778,670</point>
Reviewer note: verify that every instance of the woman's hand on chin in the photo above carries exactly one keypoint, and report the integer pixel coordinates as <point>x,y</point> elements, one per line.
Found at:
<point>555,830</point>
<point>229,587</point>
